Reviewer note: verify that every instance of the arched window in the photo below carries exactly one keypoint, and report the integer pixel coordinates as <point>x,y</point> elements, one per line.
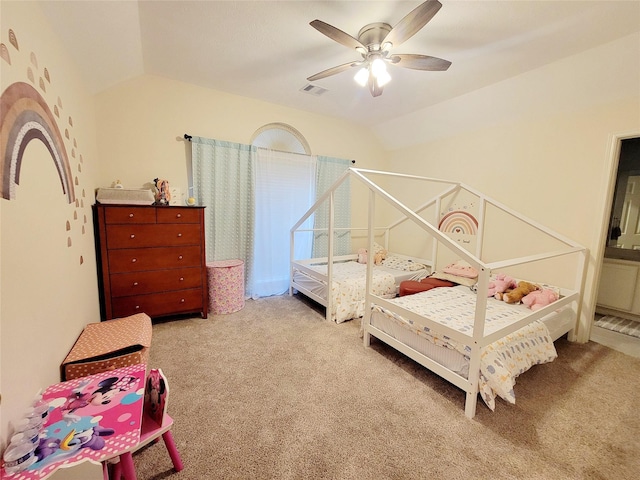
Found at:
<point>281,137</point>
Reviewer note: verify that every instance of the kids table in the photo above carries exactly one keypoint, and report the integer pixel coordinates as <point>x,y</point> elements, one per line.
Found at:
<point>91,418</point>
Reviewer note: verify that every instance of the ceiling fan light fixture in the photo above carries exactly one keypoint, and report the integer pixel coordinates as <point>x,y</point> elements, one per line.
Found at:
<point>362,76</point>
<point>383,78</point>
<point>375,41</point>
<point>378,67</point>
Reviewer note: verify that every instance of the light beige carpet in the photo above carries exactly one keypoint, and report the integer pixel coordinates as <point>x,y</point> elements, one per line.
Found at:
<point>275,392</point>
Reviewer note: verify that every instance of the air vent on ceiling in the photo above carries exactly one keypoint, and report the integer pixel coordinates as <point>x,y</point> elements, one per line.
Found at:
<point>313,90</point>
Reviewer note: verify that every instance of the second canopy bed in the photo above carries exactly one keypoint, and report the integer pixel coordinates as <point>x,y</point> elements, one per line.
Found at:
<point>462,333</point>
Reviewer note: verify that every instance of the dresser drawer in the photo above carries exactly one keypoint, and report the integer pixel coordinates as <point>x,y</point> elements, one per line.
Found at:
<point>128,214</point>
<point>138,236</point>
<point>158,304</point>
<point>178,215</point>
<point>158,258</point>
<point>138,283</point>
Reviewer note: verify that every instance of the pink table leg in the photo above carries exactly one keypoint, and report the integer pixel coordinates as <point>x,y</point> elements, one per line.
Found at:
<point>128,469</point>
<point>173,451</point>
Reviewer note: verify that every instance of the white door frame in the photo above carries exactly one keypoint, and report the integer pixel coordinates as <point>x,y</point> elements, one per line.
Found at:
<point>615,144</point>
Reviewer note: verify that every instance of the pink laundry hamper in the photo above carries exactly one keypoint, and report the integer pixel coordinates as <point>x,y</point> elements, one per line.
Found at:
<point>226,286</point>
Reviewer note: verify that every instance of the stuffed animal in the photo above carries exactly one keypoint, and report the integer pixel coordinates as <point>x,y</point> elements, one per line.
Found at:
<point>163,194</point>
<point>378,256</point>
<point>501,284</point>
<point>518,293</point>
<point>540,298</point>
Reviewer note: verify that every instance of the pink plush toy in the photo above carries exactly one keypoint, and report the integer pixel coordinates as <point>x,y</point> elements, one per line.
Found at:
<point>540,298</point>
<point>501,284</point>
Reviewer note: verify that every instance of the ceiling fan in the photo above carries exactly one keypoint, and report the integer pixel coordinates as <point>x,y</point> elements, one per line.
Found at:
<point>375,42</point>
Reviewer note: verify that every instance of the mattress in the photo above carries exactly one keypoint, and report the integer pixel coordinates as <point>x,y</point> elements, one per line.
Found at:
<point>317,287</point>
<point>558,323</point>
<point>349,286</point>
<point>448,305</point>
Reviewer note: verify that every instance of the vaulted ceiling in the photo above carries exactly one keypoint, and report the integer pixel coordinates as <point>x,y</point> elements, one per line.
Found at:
<point>267,49</point>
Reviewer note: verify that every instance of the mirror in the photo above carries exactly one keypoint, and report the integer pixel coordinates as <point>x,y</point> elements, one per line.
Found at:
<point>624,225</point>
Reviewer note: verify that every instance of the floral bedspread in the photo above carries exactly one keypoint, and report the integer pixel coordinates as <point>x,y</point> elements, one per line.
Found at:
<point>349,285</point>
<point>500,362</point>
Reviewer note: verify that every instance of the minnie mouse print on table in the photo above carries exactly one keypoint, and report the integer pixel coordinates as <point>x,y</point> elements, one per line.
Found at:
<point>91,418</point>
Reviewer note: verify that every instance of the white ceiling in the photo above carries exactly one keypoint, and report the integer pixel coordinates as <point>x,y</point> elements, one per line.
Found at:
<point>266,49</point>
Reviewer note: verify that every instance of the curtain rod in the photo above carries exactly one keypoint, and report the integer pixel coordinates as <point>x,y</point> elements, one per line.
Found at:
<point>189,137</point>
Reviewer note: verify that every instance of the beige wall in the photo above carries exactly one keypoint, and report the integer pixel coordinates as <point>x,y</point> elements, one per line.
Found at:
<point>141,124</point>
<point>548,156</point>
<point>48,271</point>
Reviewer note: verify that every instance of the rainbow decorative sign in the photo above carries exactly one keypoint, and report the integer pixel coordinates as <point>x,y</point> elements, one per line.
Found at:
<point>459,222</point>
<point>26,116</point>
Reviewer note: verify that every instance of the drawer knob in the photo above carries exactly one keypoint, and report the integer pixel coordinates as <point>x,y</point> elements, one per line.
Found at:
<point>179,257</point>
<point>133,235</point>
<point>135,284</point>
<point>131,215</point>
<point>179,235</point>
<point>134,260</point>
<point>182,300</point>
<point>179,215</point>
<point>137,307</point>
<point>182,279</point>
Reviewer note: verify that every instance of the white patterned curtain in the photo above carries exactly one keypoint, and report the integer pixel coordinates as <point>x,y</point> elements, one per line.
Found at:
<point>285,189</point>
<point>223,182</point>
<point>327,172</point>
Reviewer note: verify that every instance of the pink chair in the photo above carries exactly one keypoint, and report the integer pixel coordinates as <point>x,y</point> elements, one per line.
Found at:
<point>155,420</point>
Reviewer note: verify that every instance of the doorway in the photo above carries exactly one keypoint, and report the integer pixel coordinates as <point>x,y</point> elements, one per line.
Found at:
<point>620,260</point>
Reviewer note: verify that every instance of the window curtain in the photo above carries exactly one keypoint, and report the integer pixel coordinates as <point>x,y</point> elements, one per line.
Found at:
<point>223,182</point>
<point>328,171</point>
<point>253,196</point>
<point>285,190</point>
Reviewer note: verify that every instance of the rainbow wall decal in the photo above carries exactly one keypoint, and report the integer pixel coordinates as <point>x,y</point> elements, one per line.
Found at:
<point>25,116</point>
<point>459,222</point>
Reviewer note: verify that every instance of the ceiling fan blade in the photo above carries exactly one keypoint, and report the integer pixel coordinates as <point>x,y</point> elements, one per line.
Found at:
<point>333,70</point>
<point>336,34</point>
<point>374,88</point>
<point>420,62</point>
<point>412,22</point>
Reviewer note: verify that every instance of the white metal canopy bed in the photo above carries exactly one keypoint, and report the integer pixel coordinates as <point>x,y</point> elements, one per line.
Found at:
<point>477,342</point>
<point>347,274</point>
<point>347,277</point>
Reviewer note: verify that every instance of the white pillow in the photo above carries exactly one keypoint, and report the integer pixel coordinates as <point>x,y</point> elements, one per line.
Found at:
<point>469,282</point>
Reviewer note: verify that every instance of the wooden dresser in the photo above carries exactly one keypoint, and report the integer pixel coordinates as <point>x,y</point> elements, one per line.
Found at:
<point>151,260</point>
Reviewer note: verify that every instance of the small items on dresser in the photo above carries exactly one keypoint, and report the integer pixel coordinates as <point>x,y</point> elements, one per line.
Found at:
<point>163,193</point>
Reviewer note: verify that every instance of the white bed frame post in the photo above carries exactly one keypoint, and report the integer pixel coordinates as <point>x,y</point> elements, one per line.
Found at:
<point>366,336</point>
<point>482,209</point>
<point>477,344</point>
<point>292,234</point>
<point>581,278</point>
<point>435,243</point>
<point>330,261</point>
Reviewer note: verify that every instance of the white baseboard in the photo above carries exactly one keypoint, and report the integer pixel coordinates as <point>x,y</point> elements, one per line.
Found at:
<point>617,341</point>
